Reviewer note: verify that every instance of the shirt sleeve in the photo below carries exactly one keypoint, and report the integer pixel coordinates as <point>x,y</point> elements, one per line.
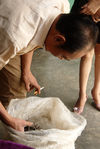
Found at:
<point>65,6</point>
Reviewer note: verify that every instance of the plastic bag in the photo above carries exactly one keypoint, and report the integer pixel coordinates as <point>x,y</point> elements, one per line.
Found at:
<point>58,128</point>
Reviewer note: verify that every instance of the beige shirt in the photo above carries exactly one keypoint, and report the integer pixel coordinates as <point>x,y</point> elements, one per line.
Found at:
<point>24,25</point>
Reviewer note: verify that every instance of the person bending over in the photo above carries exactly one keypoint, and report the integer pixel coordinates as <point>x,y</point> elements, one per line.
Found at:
<point>66,36</point>
<point>91,7</point>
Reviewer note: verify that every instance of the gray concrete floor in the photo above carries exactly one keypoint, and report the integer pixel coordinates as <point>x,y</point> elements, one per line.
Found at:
<point>60,79</point>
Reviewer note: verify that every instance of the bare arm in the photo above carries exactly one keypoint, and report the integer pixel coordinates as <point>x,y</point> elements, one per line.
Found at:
<point>26,60</point>
<point>29,80</point>
<point>4,114</point>
<point>15,123</point>
<point>85,67</point>
<point>96,16</point>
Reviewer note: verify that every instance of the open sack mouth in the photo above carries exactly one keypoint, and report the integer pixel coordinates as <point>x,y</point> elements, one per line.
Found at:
<point>54,126</point>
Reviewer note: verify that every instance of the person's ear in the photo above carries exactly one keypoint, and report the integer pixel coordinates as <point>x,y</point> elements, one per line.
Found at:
<point>60,39</point>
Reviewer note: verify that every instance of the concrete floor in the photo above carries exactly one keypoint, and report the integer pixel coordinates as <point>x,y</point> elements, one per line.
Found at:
<point>60,79</point>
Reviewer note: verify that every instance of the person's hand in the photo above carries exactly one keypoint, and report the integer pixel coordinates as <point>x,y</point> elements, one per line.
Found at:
<point>91,7</point>
<point>19,124</point>
<point>15,123</point>
<point>30,82</point>
<point>96,16</point>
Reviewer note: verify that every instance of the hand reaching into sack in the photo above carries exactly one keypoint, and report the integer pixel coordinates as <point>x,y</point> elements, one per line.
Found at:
<point>15,123</point>
<point>19,124</point>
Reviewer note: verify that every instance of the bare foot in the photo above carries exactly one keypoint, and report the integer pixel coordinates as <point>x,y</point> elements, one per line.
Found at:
<point>79,106</point>
<point>96,98</point>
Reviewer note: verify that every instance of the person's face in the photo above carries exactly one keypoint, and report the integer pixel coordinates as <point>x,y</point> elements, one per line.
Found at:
<point>53,42</point>
<point>52,45</point>
<point>63,54</point>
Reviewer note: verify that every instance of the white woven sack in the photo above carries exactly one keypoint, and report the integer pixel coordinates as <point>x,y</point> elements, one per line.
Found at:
<point>59,128</point>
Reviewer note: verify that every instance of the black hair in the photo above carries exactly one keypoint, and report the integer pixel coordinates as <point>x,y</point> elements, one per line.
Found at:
<point>79,31</point>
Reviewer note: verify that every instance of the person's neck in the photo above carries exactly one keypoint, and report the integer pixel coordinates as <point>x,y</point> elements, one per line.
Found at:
<point>52,29</point>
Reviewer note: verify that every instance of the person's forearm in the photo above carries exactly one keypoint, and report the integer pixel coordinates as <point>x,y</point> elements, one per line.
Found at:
<point>85,67</point>
<point>95,2</point>
<point>26,60</point>
<point>96,16</point>
<point>26,74</point>
<point>5,117</point>
<point>15,123</point>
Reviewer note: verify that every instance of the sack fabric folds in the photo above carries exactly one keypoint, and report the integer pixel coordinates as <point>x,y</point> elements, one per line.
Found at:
<point>54,126</point>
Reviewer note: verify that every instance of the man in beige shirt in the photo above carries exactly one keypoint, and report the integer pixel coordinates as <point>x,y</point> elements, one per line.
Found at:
<point>26,25</point>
